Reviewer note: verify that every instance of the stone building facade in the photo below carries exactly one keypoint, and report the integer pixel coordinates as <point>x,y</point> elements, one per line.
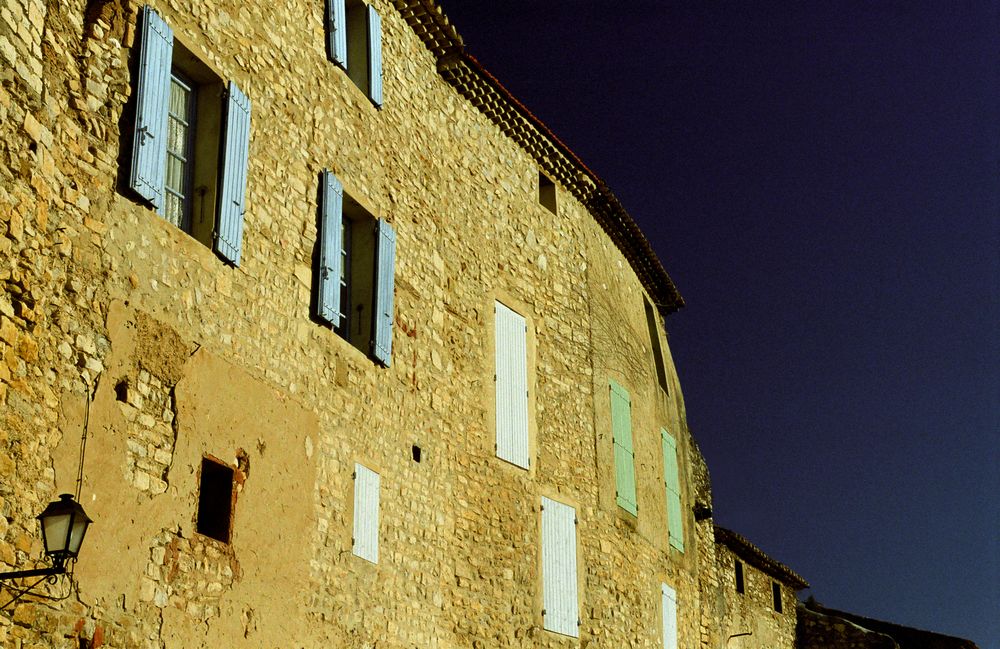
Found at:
<point>336,343</point>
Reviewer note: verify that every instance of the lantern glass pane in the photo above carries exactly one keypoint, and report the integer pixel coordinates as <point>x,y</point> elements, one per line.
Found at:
<point>55,529</point>
<point>80,524</point>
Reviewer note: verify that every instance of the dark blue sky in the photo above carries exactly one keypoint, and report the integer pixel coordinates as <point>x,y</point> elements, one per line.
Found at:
<point>822,182</point>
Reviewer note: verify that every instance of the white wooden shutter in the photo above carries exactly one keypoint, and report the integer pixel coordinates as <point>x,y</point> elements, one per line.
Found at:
<point>366,492</point>
<point>559,594</point>
<point>669,604</point>
<point>336,32</point>
<point>385,287</point>
<point>511,386</point>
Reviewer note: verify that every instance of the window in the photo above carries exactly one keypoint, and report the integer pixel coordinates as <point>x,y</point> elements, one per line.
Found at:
<point>511,380</point>
<point>546,193</point>
<point>355,279</point>
<point>366,496</point>
<point>657,350</point>
<point>776,594</point>
<point>668,605</point>
<point>354,42</point>
<point>739,577</point>
<point>671,479</point>
<point>191,141</point>
<point>215,500</point>
<point>560,612</point>
<point>621,429</point>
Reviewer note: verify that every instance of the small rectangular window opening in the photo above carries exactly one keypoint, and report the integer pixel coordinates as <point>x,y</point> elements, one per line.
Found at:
<point>657,350</point>
<point>739,577</point>
<point>776,592</point>
<point>215,500</point>
<point>546,193</point>
<point>416,454</point>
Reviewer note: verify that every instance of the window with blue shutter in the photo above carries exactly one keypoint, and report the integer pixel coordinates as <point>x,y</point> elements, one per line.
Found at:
<point>385,286</point>
<point>671,479</point>
<point>336,32</point>
<point>189,148</point>
<point>332,256</point>
<point>621,429</point>
<point>354,42</point>
<point>510,334</point>
<point>355,275</point>
<point>561,610</point>
<point>233,181</point>
<point>374,56</point>
<point>149,146</point>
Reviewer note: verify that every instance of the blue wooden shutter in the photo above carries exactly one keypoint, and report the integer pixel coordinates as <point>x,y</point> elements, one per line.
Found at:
<point>330,245</point>
<point>559,588</point>
<point>385,280</point>
<point>366,500</point>
<point>621,429</point>
<point>336,32</point>
<point>668,604</point>
<point>374,56</point>
<point>233,184</point>
<point>149,146</point>
<point>671,478</point>
<point>510,332</point>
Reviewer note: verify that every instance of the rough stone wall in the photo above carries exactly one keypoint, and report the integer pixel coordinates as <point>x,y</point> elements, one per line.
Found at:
<point>109,309</point>
<point>816,630</point>
<point>752,611</point>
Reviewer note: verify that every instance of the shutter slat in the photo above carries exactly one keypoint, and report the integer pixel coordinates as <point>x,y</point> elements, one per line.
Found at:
<point>385,269</point>
<point>621,427</point>
<point>330,245</point>
<point>374,56</point>
<point>149,146</point>
<point>511,386</point>
<point>672,483</point>
<point>366,506</point>
<point>668,603</point>
<point>233,184</point>
<point>336,32</point>
<point>559,578</point>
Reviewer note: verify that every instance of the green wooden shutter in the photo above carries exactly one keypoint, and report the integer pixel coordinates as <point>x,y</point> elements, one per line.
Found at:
<point>671,479</point>
<point>621,429</point>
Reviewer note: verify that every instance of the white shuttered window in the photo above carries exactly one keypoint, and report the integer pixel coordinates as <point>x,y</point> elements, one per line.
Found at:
<point>559,594</point>
<point>512,386</point>
<point>366,493</point>
<point>669,604</point>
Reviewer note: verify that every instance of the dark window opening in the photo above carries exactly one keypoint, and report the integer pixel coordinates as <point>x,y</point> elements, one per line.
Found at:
<point>546,193</point>
<point>776,592</point>
<point>121,391</point>
<point>215,500</point>
<point>654,340</point>
<point>416,453</point>
<point>739,577</point>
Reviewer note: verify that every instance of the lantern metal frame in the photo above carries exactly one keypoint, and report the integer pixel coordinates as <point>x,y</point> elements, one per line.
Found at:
<point>59,550</point>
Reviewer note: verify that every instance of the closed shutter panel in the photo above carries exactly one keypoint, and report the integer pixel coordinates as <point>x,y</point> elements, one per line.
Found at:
<point>621,427</point>
<point>559,592</point>
<point>671,477</point>
<point>668,599</point>
<point>385,278</point>
<point>149,146</point>
<point>336,31</point>
<point>330,245</point>
<point>366,493</point>
<point>511,386</point>
<point>232,195</point>
<point>374,56</point>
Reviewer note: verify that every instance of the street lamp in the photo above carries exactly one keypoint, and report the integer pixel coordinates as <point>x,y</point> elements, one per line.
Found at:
<point>64,524</point>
